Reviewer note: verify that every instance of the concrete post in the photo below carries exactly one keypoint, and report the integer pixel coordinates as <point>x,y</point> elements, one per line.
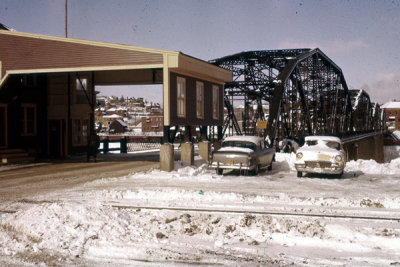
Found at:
<point>123,147</point>
<point>105,145</point>
<point>187,153</point>
<point>167,157</point>
<point>204,150</point>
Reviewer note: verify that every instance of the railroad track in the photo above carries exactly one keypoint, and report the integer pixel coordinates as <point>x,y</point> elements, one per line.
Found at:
<point>272,213</point>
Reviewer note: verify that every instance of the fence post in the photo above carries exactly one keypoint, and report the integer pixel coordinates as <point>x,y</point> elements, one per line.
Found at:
<point>105,146</point>
<point>123,145</point>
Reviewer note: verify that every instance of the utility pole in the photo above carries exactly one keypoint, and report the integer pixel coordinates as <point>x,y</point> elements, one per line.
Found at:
<point>66,18</point>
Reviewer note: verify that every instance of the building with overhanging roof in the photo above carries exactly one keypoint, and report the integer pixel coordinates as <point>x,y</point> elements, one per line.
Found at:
<point>47,83</point>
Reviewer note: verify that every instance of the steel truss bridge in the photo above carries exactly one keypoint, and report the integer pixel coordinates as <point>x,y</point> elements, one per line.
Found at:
<point>297,92</point>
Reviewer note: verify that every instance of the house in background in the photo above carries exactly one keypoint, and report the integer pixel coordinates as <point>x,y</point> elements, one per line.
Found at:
<point>392,115</point>
<point>118,126</point>
<point>152,123</point>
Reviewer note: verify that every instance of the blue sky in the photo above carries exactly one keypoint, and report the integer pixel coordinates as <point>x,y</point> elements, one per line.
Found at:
<point>362,37</point>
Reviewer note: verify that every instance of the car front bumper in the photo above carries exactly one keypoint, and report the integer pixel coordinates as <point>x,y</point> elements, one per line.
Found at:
<point>319,167</point>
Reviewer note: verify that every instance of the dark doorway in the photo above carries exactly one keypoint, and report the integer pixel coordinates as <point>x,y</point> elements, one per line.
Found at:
<point>3,125</point>
<point>56,142</point>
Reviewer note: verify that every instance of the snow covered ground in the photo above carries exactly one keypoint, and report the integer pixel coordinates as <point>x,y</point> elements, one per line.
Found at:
<point>193,216</point>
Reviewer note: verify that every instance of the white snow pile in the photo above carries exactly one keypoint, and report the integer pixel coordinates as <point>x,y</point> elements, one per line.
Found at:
<point>372,167</point>
<point>112,222</point>
<point>60,233</point>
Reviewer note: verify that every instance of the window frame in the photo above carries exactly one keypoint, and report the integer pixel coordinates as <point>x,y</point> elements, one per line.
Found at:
<point>199,100</point>
<point>215,102</point>
<point>83,139</point>
<point>25,107</point>
<point>80,91</point>
<point>181,97</point>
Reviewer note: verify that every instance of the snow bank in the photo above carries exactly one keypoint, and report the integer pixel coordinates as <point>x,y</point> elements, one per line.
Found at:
<point>372,167</point>
<point>391,152</point>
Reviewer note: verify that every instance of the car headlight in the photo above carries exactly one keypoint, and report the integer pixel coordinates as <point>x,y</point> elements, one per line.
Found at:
<point>338,158</point>
<point>299,156</point>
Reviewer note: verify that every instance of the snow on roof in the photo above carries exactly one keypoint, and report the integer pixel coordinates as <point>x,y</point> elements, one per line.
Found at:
<point>396,134</point>
<point>122,123</point>
<point>323,138</point>
<point>253,139</point>
<point>391,104</point>
<point>113,116</point>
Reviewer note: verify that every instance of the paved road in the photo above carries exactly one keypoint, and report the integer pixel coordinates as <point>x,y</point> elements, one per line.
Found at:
<point>24,181</point>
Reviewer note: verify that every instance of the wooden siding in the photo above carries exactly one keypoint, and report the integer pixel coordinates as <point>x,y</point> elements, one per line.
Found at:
<point>191,118</point>
<point>22,53</point>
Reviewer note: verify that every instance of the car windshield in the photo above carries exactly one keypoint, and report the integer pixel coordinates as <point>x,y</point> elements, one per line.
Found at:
<point>334,145</point>
<point>330,144</point>
<point>311,142</point>
<point>243,144</point>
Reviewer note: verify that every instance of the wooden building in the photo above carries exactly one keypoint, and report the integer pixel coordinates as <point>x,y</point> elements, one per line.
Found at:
<point>118,126</point>
<point>47,96</point>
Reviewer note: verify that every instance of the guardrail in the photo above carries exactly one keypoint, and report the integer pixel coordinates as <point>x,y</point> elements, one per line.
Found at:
<point>129,144</point>
<point>360,137</point>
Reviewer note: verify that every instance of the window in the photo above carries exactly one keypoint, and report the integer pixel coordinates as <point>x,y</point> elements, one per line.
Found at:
<point>181,94</point>
<point>243,144</point>
<point>333,145</point>
<point>215,100</point>
<point>200,100</point>
<point>28,119</point>
<point>312,142</point>
<point>81,130</point>
<point>81,90</point>
<point>29,80</point>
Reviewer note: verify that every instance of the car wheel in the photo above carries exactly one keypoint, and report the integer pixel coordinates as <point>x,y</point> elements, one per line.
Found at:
<point>219,171</point>
<point>299,174</point>
<point>256,169</point>
<point>270,167</point>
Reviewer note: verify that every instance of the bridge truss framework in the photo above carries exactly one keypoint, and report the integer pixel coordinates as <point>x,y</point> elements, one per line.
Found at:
<point>306,93</point>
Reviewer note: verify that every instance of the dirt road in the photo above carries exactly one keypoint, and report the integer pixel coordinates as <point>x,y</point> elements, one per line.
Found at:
<point>24,181</point>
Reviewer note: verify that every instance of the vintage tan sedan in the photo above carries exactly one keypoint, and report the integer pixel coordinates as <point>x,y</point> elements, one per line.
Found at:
<point>321,154</point>
<point>243,153</point>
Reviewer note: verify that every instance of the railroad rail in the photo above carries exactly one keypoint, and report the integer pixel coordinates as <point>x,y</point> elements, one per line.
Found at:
<point>255,212</point>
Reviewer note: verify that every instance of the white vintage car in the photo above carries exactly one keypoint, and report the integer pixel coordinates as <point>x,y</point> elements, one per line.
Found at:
<point>321,154</point>
<point>242,153</point>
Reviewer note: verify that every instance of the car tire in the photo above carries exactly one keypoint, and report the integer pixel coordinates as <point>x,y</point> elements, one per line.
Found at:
<point>256,170</point>
<point>270,167</point>
<point>299,174</point>
<point>220,171</point>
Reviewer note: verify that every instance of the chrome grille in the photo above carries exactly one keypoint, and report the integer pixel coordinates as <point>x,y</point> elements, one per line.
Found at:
<point>318,164</point>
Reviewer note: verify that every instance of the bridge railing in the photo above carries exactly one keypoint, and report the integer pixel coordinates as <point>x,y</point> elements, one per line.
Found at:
<point>129,144</point>
<point>359,137</point>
